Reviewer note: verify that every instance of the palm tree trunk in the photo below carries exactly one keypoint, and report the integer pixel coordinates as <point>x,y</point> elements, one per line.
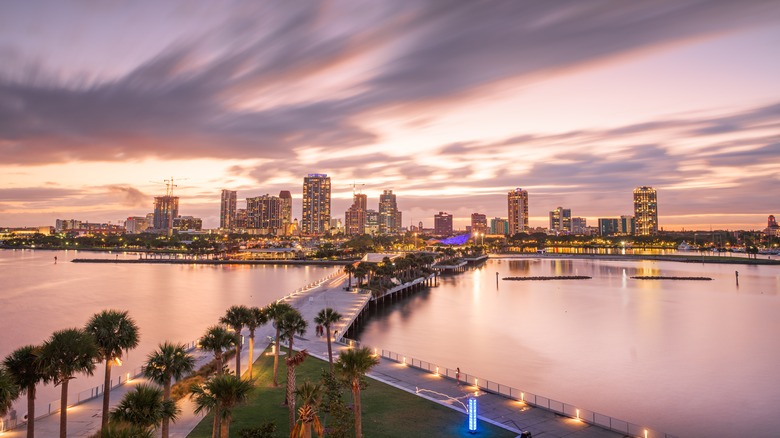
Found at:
<point>290,391</point>
<point>31,411</point>
<point>215,432</point>
<point>238,355</point>
<point>166,396</point>
<point>106,394</point>
<point>64,409</point>
<point>358,413</point>
<point>276,357</point>
<point>251,352</point>
<point>330,351</point>
<point>291,394</point>
<point>218,358</point>
<point>225,433</point>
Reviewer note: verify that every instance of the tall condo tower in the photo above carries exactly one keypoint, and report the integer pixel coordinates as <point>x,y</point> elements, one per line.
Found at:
<point>316,204</point>
<point>227,210</point>
<point>389,216</point>
<point>442,224</point>
<point>355,216</point>
<point>166,208</point>
<point>263,213</point>
<point>285,199</point>
<point>645,211</point>
<point>517,201</point>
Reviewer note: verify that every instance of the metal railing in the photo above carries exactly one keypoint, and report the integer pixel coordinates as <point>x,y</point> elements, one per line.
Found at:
<point>528,398</point>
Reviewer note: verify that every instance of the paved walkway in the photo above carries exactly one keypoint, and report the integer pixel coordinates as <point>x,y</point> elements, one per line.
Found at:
<point>84,419</point>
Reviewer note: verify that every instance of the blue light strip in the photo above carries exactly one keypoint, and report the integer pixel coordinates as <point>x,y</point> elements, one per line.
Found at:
<point>472,414</point>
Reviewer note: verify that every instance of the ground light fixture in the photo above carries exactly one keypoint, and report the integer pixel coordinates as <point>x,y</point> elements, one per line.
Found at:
<point>472,415</point>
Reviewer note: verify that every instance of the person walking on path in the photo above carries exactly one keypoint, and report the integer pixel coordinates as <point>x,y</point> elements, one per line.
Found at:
<point>457,375</point>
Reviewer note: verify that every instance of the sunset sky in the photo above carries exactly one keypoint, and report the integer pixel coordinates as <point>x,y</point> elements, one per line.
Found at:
<point>449,103</point>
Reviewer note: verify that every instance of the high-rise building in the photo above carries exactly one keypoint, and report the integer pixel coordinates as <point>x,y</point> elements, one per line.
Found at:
<point>61,225</point>
<point>626,225</point>
<point>560,220</point>
<point>645,211</point>
<point>316,204</point>
<point>518,211</point>
<point>264,213</point>
<point>499,225</point>
<point>479,223</point>
<point>241,219</point>
<point>285,198</point>
<point>771,222</point>
<point>442,224</point>
<point>389,216</point>
<point>578,225</point>
<point>355,216</point>
<point>608,226</point>
<point>372,222</point>
<point>227,210</point>
<point>166,209</point>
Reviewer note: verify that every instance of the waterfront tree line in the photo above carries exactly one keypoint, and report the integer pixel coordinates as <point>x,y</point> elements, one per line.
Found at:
<point>341,247</point>
<point>313,407</point>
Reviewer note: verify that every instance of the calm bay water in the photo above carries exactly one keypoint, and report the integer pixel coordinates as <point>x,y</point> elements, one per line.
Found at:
<point>690,358</point>
<point>173,302</point>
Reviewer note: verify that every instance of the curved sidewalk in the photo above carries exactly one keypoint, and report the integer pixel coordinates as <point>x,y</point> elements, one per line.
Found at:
<point>84,419</point>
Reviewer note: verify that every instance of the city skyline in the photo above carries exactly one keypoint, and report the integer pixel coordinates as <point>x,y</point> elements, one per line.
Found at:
<point>448,106</point>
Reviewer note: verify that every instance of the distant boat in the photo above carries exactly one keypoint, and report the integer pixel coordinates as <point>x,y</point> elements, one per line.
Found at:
<point>684,247</point>
<point>541,251</point>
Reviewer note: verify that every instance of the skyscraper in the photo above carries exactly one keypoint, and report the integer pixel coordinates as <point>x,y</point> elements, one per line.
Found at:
<point>645,211</point>
<point>227,210</point>
<point>518,211</point>
<point>499,226</point>
<point>442,224</point>
<point>166,208</point>
<point>389,216</point>
<point>285,198</point>
<point>316,204</point>
<point>355,216</point>
<point>264,213</point>
<point>560,220</point>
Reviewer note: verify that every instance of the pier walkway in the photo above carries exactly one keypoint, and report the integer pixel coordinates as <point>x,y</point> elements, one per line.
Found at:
<point>84,419</point>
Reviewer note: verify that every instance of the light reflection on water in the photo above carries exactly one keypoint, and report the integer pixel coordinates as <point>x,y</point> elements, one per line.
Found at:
<point>169,302</point>
<point>690,358</point>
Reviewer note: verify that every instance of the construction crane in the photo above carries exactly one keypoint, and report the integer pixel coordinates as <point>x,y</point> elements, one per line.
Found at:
<point>169,185</point>
<point>355,188</point>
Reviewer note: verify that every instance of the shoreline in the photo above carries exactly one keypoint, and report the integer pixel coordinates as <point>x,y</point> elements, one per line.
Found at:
<point>729,260</point>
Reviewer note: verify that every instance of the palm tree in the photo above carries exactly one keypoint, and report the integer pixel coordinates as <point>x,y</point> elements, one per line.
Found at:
<point>217,339</point>
<point>220,395</point>
<point>23,366</point>
<point>66,353</point>
<point>236,318</point>
<point>146,407</point>
<point>350,269</point>
<point>361,272</point>
<point>353,365</point>
<point>257,317</point>
<point>292,362</point>
<point>113,332</point>
<point>291,324</point>
<point>168,361</point>
<point>275,311</point>
<point>310,395</point>
<point>9,391</point>
<point>326,318</point>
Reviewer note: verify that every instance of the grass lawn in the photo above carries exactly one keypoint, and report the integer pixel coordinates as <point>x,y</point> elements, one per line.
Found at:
<point>387,411</point>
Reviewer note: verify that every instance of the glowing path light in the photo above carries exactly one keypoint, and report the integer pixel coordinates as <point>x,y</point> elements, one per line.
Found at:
<point>472,415</point>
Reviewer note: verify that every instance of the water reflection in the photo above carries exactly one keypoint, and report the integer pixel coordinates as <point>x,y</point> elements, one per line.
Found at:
<point>638,350</point>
